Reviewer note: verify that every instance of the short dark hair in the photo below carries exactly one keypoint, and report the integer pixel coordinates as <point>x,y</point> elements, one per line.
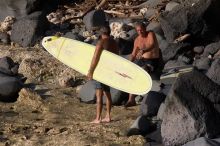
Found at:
<point>141,24</point>
<point>105,30</point>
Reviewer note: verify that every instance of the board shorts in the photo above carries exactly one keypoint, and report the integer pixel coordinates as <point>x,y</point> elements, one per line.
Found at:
<point>148,64</point>
<point>102,86</point>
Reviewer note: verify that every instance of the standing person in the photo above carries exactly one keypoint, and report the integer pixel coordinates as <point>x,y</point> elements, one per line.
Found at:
<point>146,53</point>
<point>104,43</point>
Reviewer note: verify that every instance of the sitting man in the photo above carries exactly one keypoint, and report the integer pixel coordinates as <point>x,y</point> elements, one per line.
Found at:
<point>146,53</point>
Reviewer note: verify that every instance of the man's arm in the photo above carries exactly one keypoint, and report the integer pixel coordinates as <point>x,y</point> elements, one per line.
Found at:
<point>150,41</point>
<point>134,52</point>
<point>95,59</point>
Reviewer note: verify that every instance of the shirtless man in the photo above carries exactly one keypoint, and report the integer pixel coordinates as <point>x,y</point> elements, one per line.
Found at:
<point>107,43</point>
<point>145,53</point>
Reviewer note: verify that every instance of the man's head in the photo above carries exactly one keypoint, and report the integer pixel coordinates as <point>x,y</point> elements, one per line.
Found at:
<point>105,30</point>
<point>140,28</point>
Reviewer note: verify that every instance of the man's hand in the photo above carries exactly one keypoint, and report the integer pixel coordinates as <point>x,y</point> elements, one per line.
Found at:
<point>90,75</point>
<point>139,54</point>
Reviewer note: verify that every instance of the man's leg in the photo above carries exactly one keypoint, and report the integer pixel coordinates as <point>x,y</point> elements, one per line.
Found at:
<point>99,94</point>
<point>108,107</point>
<point>131,101</point>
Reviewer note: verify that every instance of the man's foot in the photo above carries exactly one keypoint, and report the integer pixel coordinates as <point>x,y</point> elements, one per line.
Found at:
<point>106,120</point>
<point>129,104</point>
<point>96,121</point>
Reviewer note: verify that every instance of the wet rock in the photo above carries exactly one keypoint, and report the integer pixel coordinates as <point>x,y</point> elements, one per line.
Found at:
<point>187,17</point>
<point>214,71</point>
<point>151,103</point>
<point>94,19</point>
<point>190,110</point>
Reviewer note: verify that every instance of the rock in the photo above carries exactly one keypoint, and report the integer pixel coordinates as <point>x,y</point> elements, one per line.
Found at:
<point>171,5</point>
<point>94,19</point>
<point>202,63</point>
<point>74,36</point>
<point>203,141</point>
<point>151,103</point>
<point>198,49</point>
<point>163,44</point>
<point>160,112</point>
<point>4,38</point>
<point>9,88</point>
<point>30,99</point>
<point>8,66</point>
<point>190,110</point>
<point>155,27</point>
<point>29,29</point>
<point>22,8</point>
<point>174,64</point>
<point>185,18</point>
<point>67,78</point>
<point>141,126</point>
<point>87,94</point>
<point>211,49</point>
<point>149,13</point>
<point>173,49</point>
<point>185,59</point>
<point>214,71</point>
<point>126,46</point>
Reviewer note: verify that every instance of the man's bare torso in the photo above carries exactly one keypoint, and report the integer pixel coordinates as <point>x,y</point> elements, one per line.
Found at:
<point>148,51</point>
<point>109,44</point>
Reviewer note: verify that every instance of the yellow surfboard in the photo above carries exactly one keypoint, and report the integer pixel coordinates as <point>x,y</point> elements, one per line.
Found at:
<point>111,70</point>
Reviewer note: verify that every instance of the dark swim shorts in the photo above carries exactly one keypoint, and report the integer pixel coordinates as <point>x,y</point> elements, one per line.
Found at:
<point>99,85</point>
<point>150,64</point>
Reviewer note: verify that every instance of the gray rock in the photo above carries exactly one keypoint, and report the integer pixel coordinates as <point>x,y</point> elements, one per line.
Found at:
<point>171,5</point>
<point>203,63</point>
<point>198,49</point>
<point>22,8</point>
<point>173,49</point>
<point>211,49</point>
<point>214,71</point>
<point>27,31</point>
<point>74,36</point>
<point>149,13</point>
<point>190,110</point>
<point>87,93</point>
<point>203,141</point>
<point>174,64</point>
<point>151,103</point>
<point>8,66</point>
<point>94,19</point>
<point>4,38</point>
<point>187,17</point>
<point>141,126</point>
<point>155,27</point>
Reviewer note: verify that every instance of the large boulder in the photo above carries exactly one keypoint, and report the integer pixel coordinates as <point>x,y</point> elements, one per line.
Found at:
<point>28,30</point>
<point>214,71</point>
<point>190,111</point>
<point>94,19</point>
<point>151,103</point>
<point>173,49</point>
<point>184,18</point>
<point>22,8</point>
<point>203,141</point>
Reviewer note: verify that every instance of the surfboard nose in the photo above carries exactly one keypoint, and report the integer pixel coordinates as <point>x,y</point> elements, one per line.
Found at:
<point>52,44</point>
